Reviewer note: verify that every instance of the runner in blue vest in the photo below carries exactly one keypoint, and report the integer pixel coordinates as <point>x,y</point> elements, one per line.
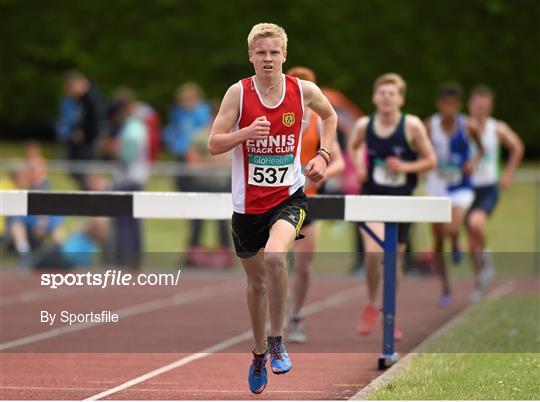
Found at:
<point>450,133</point>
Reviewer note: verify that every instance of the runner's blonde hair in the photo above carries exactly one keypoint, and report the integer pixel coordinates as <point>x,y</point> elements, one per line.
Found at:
<point>267,30</point>
<point>391,78</point>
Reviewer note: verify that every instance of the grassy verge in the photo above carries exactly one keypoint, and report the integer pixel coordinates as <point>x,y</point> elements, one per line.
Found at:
<point>493,353</point>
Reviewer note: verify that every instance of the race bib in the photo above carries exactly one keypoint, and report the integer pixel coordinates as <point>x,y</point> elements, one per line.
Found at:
<point>270,170</point>
<point>383,176</point>
<point>452,174</point>
<point>486,168</point>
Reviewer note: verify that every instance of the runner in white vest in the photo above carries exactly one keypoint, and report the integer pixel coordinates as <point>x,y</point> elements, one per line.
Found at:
<point>487,178</point>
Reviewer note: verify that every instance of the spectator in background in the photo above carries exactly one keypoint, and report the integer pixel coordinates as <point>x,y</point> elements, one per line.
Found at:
<point>143,111</point>
<point>6,183</point>
<point>79,249</point>
<point>79,123</point>
<point>130,148</point>
<point>68,116</point>
<point>27,233</point>
<point>153,125</point>
<point>36,166</point>
<point>188,117</point>
<point>97,182</point>
<point>13,180</point>
<point>100,182</point>
<point>221,256</point>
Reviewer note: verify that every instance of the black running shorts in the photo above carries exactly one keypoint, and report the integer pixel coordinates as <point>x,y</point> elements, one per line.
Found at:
<point>250,232</point>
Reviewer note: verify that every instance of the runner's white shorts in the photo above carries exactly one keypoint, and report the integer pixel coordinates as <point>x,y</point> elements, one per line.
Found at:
<point>462,197</point>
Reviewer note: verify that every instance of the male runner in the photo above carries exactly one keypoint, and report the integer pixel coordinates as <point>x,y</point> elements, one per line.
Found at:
<point>304,249</point>
<point>486,180</point>
<point>260,119</point>
<point>398,148</point>
<point>450,134</point>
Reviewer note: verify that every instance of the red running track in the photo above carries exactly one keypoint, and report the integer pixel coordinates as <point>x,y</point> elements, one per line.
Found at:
<point>164,328</point>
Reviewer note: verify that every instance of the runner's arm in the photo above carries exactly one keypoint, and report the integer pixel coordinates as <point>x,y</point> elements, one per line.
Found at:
<point>337,164</point>
<point>427,125</point>
<point>421,143</point>
<point>513,143</point>
<point>315,100</point>
<point>356,140</point>
<point>221,138</point>
<point>474,134</point>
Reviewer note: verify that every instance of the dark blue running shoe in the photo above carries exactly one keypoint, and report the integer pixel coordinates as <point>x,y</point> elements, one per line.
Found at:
<point>279,359</point>
<point>257,374</point>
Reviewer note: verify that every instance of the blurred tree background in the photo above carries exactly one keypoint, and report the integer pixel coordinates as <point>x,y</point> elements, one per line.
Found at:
<point>153,46</point>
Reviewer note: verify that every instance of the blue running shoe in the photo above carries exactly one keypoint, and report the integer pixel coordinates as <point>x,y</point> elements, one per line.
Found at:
<point>279,359</point>
<point>446,299</point>
<point>257,374</point>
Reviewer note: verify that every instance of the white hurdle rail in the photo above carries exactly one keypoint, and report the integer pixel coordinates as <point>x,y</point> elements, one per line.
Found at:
<point>185,205</point>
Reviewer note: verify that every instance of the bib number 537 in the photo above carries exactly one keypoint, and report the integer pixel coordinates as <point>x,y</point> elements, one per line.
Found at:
<point>269,175</point>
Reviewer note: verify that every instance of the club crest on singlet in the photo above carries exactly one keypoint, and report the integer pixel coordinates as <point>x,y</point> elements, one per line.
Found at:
<point>288,119</point>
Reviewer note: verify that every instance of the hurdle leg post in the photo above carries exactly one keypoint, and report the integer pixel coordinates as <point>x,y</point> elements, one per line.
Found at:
<point>389,356</point>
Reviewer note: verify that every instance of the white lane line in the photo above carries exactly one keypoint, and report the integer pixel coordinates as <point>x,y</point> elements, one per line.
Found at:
<point>141,308</point>
<point>327,303</point>
<point>388,375</point>
<point>502,290</point>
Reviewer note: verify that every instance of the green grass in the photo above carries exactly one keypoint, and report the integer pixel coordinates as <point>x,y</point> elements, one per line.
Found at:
<point>492,353</point>
<point>501,376</point>
<point>507,325</point>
